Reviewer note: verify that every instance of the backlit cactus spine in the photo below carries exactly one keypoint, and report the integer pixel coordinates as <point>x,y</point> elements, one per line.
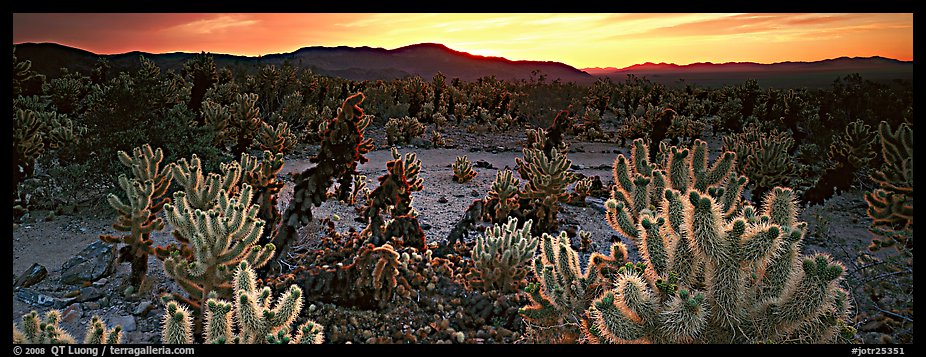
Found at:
<point>500,256</point>
<point>463,170</point>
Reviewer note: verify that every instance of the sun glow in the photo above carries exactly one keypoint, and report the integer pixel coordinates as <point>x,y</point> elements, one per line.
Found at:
<point>580,40</point>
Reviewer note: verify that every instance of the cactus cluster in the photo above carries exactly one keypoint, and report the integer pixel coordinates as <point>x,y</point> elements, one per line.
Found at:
<point>546,172</point>
<point>503,197</point>
<point>401,131</point>
<point>36,330</point>
<point>342,149</point>
<point>279,139</point>
<point>36,133</point>
<point>642,187</point>
<point>251,311</point>
<point>463,170</point>
<point>261,175</point>
<point>501,254</point>
<point>891,205</point>
<point>138,215</point>
<point>745,283</point>
<point>764,156</point>
<point>220,237</point>
<point>393,196</point>
<point>559,302</point>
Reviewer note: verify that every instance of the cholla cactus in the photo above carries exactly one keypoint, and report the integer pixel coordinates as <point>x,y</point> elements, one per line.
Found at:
<point>642,188</point>
<point>764,156</point>
<point>400,131</point>
<point>342,149</point>
<point>581,190</point>
<point>202,192</point>
<point>47,331</point>
<point>378,271</point>
<point>559,303</point>
<point>500,256</point>
<point>277,139</point>
<point>437,140</point>
<point>547,175</point>
<point>749,270</point>
<point>244,121</point>
<point>257,321</point>
<point>34,134</point>
<point>216,118</point>
<point>220,238</point>
<point>98,334</point>
<point>262,176</point>
<point>891,205</point>
<point>394,196</point>
<point>177,325</point>
<point>359,190</point>
<point>139,215</point>
<point>463,170</point>
<point>502,198</point>
<point>853,149</point>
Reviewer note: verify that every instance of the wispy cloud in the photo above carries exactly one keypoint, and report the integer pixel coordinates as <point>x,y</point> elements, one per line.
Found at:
<point>583,40</point>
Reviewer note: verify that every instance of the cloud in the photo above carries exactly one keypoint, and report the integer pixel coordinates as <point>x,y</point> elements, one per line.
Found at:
<point>213,25</point>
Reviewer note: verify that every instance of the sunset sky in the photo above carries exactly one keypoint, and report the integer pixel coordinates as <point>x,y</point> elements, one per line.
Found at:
<point>580,40</point>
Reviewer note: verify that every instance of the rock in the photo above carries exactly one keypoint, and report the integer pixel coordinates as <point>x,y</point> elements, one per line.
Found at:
<point>474,193</point>
<point>95,261</point>
<point>38,299</point>
<point>577,167</point>
<point>127,323</point>
<point>72,313</point>
<point>128,291</point>
<point>425,226</point>
<point>596,203</point>
<point>442,199</point>
<point>90,293</point>
<point>419,142</point>
<point>503,332</point>
<point>31,276</point>
<point>459,337</point>
<point>483,164</point>
<point>101,282</point>
<point>142,308</point>
<point>91,305</point>
<point>475,149</point>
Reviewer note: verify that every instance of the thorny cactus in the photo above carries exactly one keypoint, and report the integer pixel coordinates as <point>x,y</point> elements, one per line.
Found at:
<point>725,281</point>
<point>378,271</point>
<point>564,293</point>
<point>256,320</point>
<point>244,122</point>
<point>359,190</point>
<point>262,176</point>
<point>763,156</point>
<point>400,131</point>
<point>546,178</point>
<point>891,205</point>
<point>502,198</point>
<point>277,139</point>
<point>500,256</point>
<point>220,238</point>
<point>854,149</point>
<point>342,149</point>
<point>38,331</point>
<point>139,214</point>
<point>641,187</point>
<point>394,196</point>
<point>34,134</point>
<point>849,153</point>
<point>581,190</point>
<point>437,140</point>
<point>176,325</point>
<point>463,170</point>
<point>202,191</point>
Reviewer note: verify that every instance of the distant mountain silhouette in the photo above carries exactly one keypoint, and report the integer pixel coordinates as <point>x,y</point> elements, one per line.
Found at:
<point>357,63</point>
<point>810,74</point>
<point>426,59</point>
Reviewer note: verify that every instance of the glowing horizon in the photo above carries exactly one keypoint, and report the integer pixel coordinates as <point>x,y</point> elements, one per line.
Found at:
<point>579,40</point>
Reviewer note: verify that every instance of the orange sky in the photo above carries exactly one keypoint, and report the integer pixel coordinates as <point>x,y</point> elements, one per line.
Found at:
<point>580,40</point>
